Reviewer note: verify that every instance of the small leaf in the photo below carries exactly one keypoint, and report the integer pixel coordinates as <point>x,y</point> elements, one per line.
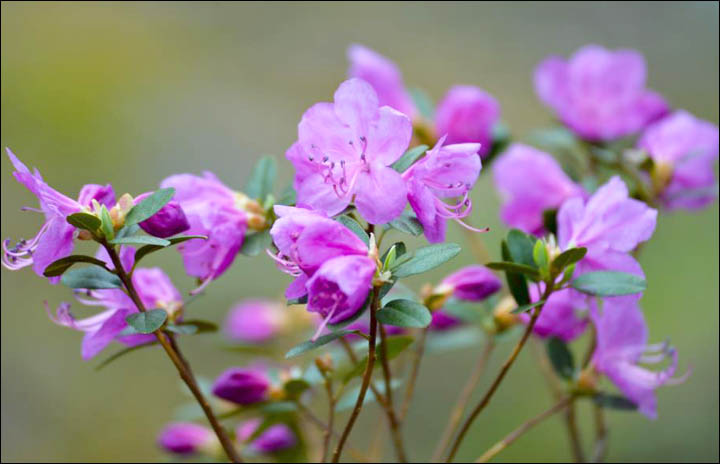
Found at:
<point>561,358</point>
<point>404,313</point>
<point>607,400</point>
<point>255,243</point>
<point>185,329</point>
<point>409,157</point>
<point>141,240</point>
<point>149,206</point>
<point>389,258</point>
<point>295,387</point>
<point>514,268</point>
<point>527,307</point>
<point>540,254</point>
<point>609,283</point>
<point>122,353</point>
<point>84,221</point>
<point>408,224</point>
<point>106,223</point>
<point>59,267</point>
<point>127,231</point>
<point>520,246</point>
<point>516,282</point>
<point>147,322</point>
<point>90,278</point>
<point>200,325</point>
<point>262,178</point>
<point>427,258</point>
<point>311,345</point>
<point>567,258</point>
<point>356,228</point>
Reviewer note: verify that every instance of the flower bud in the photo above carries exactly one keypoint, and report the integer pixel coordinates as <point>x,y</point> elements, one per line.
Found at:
<point>275,438</point>
<point>502,315</point>
<point>168,221</point>
<point>242,386</point>
<point>471,283</point>
<point>186,438</point>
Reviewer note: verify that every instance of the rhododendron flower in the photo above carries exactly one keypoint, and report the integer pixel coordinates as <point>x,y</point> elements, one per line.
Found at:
<point>622,338</point>
<point>214,210</point>
<point>441,320</point>
<point>329,262</point>
<point>56,237</point>
<point>564,314</point>
<point>254,321</point>
<point>242,385</point>
<point>531,182</point>
<point>598,93</point>
<point>344,152</point>
<point>186,438</point>
<point>472,283</point>
<point>168,221</point>
<point>275,438</point>
<point>684,150</point>
<point>155,291</point>
<point>610,225</point>
<point>468,114</point>
<point>445,172</point>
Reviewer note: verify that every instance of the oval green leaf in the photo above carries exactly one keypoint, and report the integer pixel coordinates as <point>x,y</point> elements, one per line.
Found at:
<point>149,206</point>
<point>147,322</point>
<point>609,283</point>
<point>59,267</point>
<point>426,258</point>
<point>84,221</point>
<point>404,313</point>
<point>91,278</point>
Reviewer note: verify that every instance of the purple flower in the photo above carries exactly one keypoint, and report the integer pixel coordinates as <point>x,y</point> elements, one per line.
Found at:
<point>329,262</point>
<point>242,386</point>
<point>445,172</point>
<point>168,221</point>
<point>383,75</point>
<point>185,438</point>
<point>344,152</point>
<point>564,315</point>
<point>684,150</point>
<point>441,320</point>
<point>254,321</point>
<point>610,225</point>
<point>56,237</point>
<point>599,94</point>
<point>530,183</point>
<point>467,114</point>
<point>275,438</point>
<point>622,344</point>
<point>214,210</point>
<point>472,283</point>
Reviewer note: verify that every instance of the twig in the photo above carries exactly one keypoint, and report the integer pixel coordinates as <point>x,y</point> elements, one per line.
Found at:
<point>395,431</point>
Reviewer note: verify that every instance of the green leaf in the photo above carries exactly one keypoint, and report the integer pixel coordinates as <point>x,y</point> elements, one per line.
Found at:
<point>295,387</point>
<point>514,268</point>
<point>607,400</point>
<point>516,282</point>
<point>147,249</point>
<point>127,231</point>
<point>84,221</point>
<point>426,258</point>
<point>609,283</point>
<point>147,322</point>
<point>520,246</point>
<point>200,325</point>
<point>561,358</point>
<point>408,224</point>
<point>527,307</point>
<point>141,240</point>
<point>311,345</point>
<point>59,267</point>
<point>395,345</point>
<point>149,206</point>
<point>181,329</point>
<point>422,102</point>
<point>404,313</point>
<point>122,353</point>
<point>354,226</point>
<point>540,254</point>
<point>106,223</point>
<point>567,258</point>
<point>255,243</point>
<point>409,157</point>
<point>262,178</point>
<point>90,278</point>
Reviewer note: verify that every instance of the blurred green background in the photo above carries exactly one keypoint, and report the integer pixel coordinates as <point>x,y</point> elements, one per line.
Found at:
<point>130,93</point>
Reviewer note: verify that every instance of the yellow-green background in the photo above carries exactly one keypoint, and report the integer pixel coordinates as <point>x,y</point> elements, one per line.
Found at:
<point>130,93</point>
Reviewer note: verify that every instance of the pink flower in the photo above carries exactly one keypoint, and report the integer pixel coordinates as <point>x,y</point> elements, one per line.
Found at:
<point>686,148</point>
<point>472,283</point>
<point>56,237</point>
<point>275,438</point>
<point>468,114</point>
<point>185,438</point>
<point>530,183</point>
<point>564,315</point>
<point>441,320</point>
<point>445,172</point>
<point>242,386</point>
<point>254,321</point>
<point>344,152</point>
<point>168,221</point>
<point>622,344</point>
<point>599,94</point>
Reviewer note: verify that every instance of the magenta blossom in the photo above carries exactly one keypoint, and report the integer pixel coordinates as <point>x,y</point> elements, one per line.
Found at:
<point>275,438</point>
<point>384,76</point>
<point>531,182</point>
<point>471,283</point>
<point>441,320</point>
<point>242,385</point>
<point>622,338</point>
<point>56,237</point>
<point>214,210</point>
<point>445,172</point>
<point>329,262</point>
<point>610,225</point>
<point>564,315</point>
<point>599,94</point>
<point>344,152</point>
<point>186,438</point>
<point>468,114</point>
<point>168,221</point>
<point>254,321</point>
<point>684,150</point>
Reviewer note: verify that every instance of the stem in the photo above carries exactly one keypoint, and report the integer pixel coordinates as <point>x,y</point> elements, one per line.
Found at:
<point>395,431</point>
<point>463,400</point>
<point>331,420</point>
<point>517,433</point>
<point>575,444</point>
<point>173,352</point>
<point>601,434</point>
<point>353,359</point>
<point>501,375</point>
<point>366,377</point>
<point>410,390</point>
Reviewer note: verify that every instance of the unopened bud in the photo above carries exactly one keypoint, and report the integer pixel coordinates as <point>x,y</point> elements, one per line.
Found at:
<point>84,234</point>
<point>246,203</point>
<point>503,316</point>
<point>256,221</point>
<point>168,221</point>
<point>587,381</point>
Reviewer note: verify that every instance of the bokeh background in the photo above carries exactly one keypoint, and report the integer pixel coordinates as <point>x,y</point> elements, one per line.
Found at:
<point>130,93</point>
